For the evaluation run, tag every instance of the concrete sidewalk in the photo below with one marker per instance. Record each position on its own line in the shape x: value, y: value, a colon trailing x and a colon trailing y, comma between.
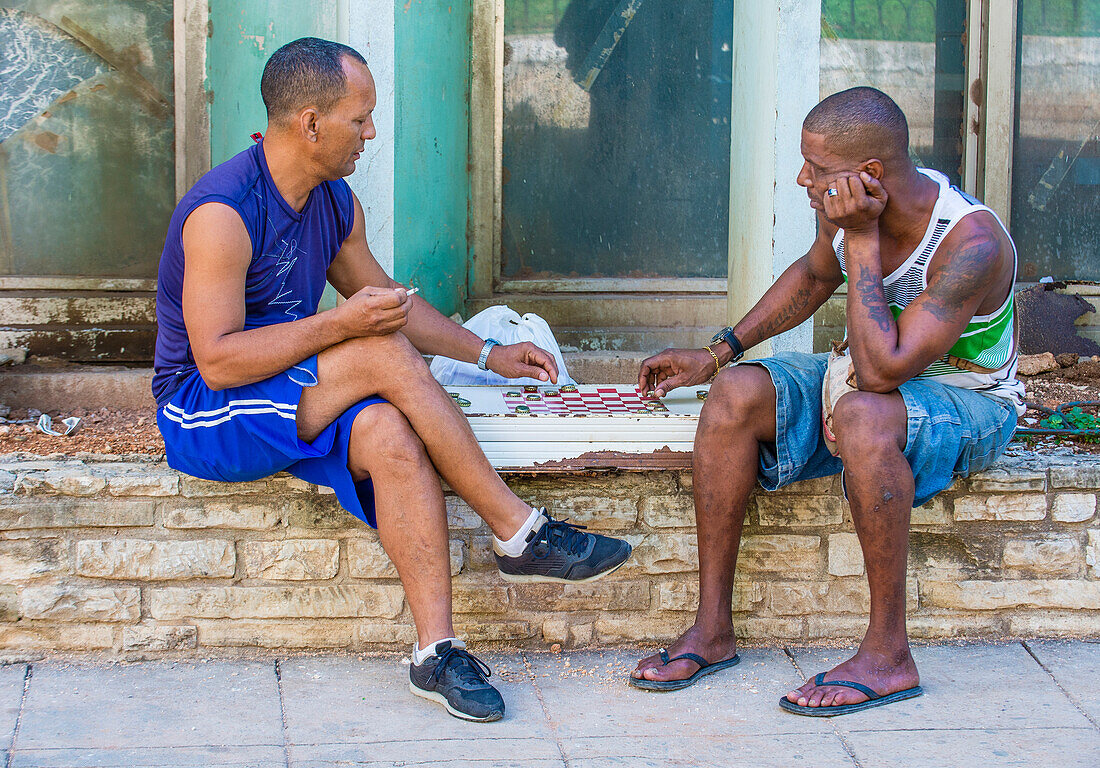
x: 988, y: 705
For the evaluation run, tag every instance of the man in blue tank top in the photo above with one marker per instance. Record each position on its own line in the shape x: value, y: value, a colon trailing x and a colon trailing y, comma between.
x: 927, y: 392
x: 251, y: 379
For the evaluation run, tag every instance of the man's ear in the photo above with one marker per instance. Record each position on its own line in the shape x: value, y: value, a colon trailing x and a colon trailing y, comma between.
x: 308, y: 120
x: 874, y: 168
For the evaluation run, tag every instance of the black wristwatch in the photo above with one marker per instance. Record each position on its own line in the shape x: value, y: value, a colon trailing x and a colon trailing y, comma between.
x: 726, y: 335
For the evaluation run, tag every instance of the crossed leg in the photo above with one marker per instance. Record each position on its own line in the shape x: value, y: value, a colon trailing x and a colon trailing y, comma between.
x: 404, y: 447
x: 390, y: 367
x: 880, y: 491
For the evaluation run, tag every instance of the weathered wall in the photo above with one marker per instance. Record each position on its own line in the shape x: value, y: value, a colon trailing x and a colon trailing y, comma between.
x: 432, y: 130
x: 130, y: 557
x: 243, y: 35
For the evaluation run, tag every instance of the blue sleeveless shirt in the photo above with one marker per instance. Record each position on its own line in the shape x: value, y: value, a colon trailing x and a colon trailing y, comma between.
x: 291, y: 254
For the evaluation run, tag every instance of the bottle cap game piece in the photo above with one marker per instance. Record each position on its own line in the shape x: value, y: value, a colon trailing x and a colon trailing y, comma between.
x: 512, y: 394
x: 523, y: 409
x: 454, y: 395
x: 462, y: 402
x: 551, y: 393
x: 701, y: 394
x: 530, y: 388
x: 569, y: 388
x: 533, y: 396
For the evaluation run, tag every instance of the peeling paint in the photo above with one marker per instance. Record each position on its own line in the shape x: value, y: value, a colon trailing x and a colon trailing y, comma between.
x: 257, y: 40
x: 243, y: 35
x: 663, y: 458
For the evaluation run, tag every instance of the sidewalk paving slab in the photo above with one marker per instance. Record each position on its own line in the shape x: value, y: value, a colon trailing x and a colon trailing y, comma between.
x: 986, y: 705
x: 265, y: 756
x: 1076, y: 667
x: 816, y: 750
x: 12, y: 677
x: 356, y: 711
x: 992, y: 748
x: 587, y: 694
x: 965, y: 687
x: 151, y: 713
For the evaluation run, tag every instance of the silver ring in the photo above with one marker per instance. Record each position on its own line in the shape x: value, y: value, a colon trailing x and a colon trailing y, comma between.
x: 832, y: 192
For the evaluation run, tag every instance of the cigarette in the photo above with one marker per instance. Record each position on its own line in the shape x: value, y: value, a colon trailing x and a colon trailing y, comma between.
x: 411, y: 291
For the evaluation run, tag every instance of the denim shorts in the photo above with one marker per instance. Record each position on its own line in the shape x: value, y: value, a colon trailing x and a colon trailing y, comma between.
x: 950, y: 432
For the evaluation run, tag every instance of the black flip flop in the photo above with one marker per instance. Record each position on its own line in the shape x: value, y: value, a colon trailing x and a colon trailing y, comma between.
x: 705, y: 668
x: 873, y: 699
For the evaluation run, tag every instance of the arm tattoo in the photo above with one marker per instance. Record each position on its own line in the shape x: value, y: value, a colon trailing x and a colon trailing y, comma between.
x: 964, y: 276
x: 792, y: 309
x: 871, y: 296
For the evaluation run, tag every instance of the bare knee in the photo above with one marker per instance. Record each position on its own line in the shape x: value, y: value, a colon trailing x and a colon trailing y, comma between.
x: 383, y: 442
x: 740, y: 397
x: 868, y: 423
x: 392, y: 353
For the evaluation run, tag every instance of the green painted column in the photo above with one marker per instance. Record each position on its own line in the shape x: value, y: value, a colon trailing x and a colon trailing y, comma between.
x: 244, y: 33
x: 431, y: 131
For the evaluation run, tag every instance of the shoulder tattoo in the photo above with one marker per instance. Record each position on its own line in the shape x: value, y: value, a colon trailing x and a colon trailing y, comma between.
x: 964, y: 275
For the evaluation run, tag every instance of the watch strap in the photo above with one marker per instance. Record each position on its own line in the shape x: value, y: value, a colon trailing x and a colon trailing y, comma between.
x: 735, y: 345
x: 483, y: 358
x: 727, y: 335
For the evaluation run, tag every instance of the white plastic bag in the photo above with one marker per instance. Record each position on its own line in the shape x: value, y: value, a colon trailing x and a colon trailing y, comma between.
x: 508, y: 327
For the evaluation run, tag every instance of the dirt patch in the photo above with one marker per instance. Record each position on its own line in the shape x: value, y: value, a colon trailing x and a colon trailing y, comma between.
x: 1075, y: 383
x: 105, y: 431
x: 1065, y: 385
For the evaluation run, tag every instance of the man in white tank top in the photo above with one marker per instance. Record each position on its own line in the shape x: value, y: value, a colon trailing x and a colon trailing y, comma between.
x: 930, y: 334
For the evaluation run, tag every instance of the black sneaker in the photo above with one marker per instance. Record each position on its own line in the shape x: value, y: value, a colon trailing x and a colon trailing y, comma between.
x: 457, y: 680
x: 562, y: 551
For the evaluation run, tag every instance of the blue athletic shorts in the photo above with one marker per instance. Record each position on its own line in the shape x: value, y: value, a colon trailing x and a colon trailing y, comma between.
x: 246, y: 433
x: 951, y: 432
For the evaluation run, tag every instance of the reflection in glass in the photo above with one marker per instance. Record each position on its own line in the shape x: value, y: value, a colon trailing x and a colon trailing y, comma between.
x: 616, y: 138
x: 1056, y: 157
x: 912, y: 50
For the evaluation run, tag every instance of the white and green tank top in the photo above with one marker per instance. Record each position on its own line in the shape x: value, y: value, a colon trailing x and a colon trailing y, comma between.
x: 984, y: 357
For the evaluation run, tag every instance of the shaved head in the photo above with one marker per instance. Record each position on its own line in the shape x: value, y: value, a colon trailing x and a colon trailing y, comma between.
x: 860, y: 124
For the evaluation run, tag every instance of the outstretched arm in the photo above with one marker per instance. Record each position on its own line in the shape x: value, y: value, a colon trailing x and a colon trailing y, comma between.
x: 430, y: 332
x: 217, y: 251
x: 971, y: 263
x: 793, y: 298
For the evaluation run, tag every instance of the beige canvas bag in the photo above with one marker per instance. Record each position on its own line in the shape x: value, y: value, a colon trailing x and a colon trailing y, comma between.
x: 840, y: 379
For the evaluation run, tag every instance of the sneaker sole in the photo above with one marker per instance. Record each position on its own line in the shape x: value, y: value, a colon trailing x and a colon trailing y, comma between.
x: 440, y: 699
x: 540, y: 579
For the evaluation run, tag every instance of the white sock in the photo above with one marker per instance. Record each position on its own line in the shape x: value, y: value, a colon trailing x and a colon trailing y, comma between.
x: 514, y: 546
x: 420, y: 656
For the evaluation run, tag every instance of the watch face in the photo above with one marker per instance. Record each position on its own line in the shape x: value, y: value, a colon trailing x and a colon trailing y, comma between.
x: 721, y: 335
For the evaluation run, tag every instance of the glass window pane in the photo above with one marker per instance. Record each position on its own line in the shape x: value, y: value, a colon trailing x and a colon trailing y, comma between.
x: 1056, y: 157
x: 912, y: 50
x: 616, y: 139
x: 86, y: 137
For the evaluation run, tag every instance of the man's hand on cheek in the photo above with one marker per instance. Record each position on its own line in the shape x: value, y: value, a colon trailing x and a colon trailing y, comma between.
x: 854, y: 202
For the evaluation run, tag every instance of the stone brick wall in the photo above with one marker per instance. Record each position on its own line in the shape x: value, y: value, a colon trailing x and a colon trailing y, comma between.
x: 131, y: 558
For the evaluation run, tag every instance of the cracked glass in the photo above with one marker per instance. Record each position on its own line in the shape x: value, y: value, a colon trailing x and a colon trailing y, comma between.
x: 86, y: 137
